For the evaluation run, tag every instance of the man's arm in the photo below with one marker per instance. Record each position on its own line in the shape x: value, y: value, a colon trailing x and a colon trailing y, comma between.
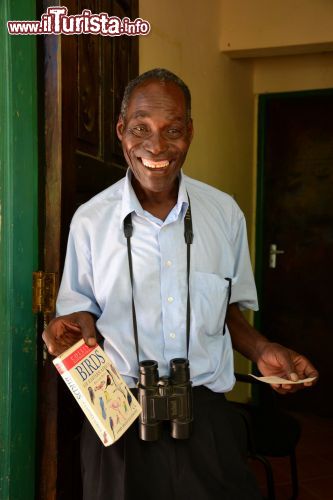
x: 77, y: 307
x: 270, y: 357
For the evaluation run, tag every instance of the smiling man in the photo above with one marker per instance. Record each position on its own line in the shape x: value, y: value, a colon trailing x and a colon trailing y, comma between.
x: 155, y: 129
x: 212, y: 268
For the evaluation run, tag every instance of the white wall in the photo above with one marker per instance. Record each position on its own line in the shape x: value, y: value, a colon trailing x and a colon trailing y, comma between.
x: 185, y: 39
x: 292, y: 73
x: 268, y: 27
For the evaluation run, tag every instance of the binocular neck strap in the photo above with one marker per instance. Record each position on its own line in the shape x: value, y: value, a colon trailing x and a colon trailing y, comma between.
x: 188, y: 235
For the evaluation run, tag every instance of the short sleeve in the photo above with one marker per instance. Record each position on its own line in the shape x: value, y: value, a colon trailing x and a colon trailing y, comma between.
x: 76, y: 291
x: 243, y: 286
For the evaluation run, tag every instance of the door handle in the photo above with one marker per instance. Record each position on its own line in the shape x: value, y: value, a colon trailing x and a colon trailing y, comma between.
x: 273, y: 252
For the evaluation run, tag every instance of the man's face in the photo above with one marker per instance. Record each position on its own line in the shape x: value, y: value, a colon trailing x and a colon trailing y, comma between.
x: 155, y: 134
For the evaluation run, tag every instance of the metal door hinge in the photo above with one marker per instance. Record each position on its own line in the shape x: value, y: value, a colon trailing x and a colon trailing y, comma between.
x: 44, y: 292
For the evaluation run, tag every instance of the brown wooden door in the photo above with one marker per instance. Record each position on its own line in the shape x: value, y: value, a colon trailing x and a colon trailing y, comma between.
x: 95, y: 71
x: 84, y: 81
x: 297, y: 216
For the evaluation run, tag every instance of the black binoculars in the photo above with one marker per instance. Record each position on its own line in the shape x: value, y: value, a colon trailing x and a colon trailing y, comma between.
x: 165, y: 398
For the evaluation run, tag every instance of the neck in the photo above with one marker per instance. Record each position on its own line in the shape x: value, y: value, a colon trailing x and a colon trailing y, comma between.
x: 158, y: 204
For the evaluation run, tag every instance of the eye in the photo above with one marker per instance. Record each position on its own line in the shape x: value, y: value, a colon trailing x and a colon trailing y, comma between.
x: 140, y: 130
x: 174, y: 132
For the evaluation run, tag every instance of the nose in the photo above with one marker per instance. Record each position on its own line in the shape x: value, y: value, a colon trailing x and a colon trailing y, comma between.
x: 155, y: 144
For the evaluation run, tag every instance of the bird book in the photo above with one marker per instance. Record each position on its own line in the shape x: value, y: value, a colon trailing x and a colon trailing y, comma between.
x: 99, y: 389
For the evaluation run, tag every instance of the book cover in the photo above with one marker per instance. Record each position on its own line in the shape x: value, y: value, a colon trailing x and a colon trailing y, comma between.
x: 99, y: 389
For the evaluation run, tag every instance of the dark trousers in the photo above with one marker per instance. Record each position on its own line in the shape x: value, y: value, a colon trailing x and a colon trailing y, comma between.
x: 211, y: 465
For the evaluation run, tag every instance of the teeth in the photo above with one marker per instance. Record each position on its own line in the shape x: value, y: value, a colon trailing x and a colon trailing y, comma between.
x: 155, y: 164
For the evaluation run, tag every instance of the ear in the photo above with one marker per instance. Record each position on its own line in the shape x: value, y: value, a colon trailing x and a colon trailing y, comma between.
x: 120, y: 128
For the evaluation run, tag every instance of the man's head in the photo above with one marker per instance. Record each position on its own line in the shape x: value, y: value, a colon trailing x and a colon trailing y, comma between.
x: 161, y: 75
x: 155, y: 128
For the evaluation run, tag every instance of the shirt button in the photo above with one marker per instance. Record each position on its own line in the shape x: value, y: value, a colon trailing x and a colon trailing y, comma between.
x: 168, y: 263
x: 170, y: 299
x: 172, y: 335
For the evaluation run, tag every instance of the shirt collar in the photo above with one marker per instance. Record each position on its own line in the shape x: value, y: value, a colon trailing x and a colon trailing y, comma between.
x: 130, y: 202
x: 182, y: 201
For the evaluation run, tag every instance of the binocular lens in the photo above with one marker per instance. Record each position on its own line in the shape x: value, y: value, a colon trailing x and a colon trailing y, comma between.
x: 148, y: 372
x: 179, y: 370
x: 148, y: 364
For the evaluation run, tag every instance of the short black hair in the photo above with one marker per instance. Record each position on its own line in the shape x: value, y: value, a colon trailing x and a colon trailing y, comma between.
x: 161, y: 75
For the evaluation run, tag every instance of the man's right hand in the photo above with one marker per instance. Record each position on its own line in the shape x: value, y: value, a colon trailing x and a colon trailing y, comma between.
x: 64, y: 331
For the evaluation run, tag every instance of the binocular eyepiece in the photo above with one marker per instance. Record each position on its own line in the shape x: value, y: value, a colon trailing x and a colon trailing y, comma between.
x: 165, y: 398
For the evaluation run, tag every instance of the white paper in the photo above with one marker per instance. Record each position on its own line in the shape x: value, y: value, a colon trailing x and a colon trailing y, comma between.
x: 279, y: 380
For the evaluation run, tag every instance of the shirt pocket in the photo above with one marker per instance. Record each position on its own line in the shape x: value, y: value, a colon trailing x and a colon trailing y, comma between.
x: 209, y: 300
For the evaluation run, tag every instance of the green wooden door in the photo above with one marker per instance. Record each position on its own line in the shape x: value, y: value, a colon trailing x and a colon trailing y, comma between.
x: 18, y: 254
x: 296, y: 212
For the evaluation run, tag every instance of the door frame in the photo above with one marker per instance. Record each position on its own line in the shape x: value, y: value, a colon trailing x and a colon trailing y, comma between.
x: 260, y: 259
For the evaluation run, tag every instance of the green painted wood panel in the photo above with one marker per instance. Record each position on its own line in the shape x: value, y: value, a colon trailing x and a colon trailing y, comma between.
x: 18, y: 254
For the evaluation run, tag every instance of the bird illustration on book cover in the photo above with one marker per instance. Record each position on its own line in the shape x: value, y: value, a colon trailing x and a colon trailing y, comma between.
x: 99, y: 389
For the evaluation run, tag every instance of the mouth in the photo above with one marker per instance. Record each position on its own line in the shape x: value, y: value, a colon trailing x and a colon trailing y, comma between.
x: 155, y: 165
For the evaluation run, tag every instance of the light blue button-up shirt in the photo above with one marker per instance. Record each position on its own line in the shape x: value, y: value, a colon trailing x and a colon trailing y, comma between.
x: 96, y: 278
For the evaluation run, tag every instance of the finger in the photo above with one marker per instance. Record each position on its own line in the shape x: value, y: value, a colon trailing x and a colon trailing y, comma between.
x: 287, y: 366
x: 284, y: 388
x: 46, y: 339
x: 58, y: 345
x: 312, y: 373
x: 284, y: 391
x: 278, y: 389
x: 293, y: 376
x: 287, y: 387
x: 306, y: 368
x: 72, y: 326
x: 49, y: 342
x: 51, y: 347
x: 313, y: 382
x: 88, y: 330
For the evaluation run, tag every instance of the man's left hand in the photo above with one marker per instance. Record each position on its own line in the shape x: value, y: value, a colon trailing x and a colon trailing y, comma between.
x: 275, y: 359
